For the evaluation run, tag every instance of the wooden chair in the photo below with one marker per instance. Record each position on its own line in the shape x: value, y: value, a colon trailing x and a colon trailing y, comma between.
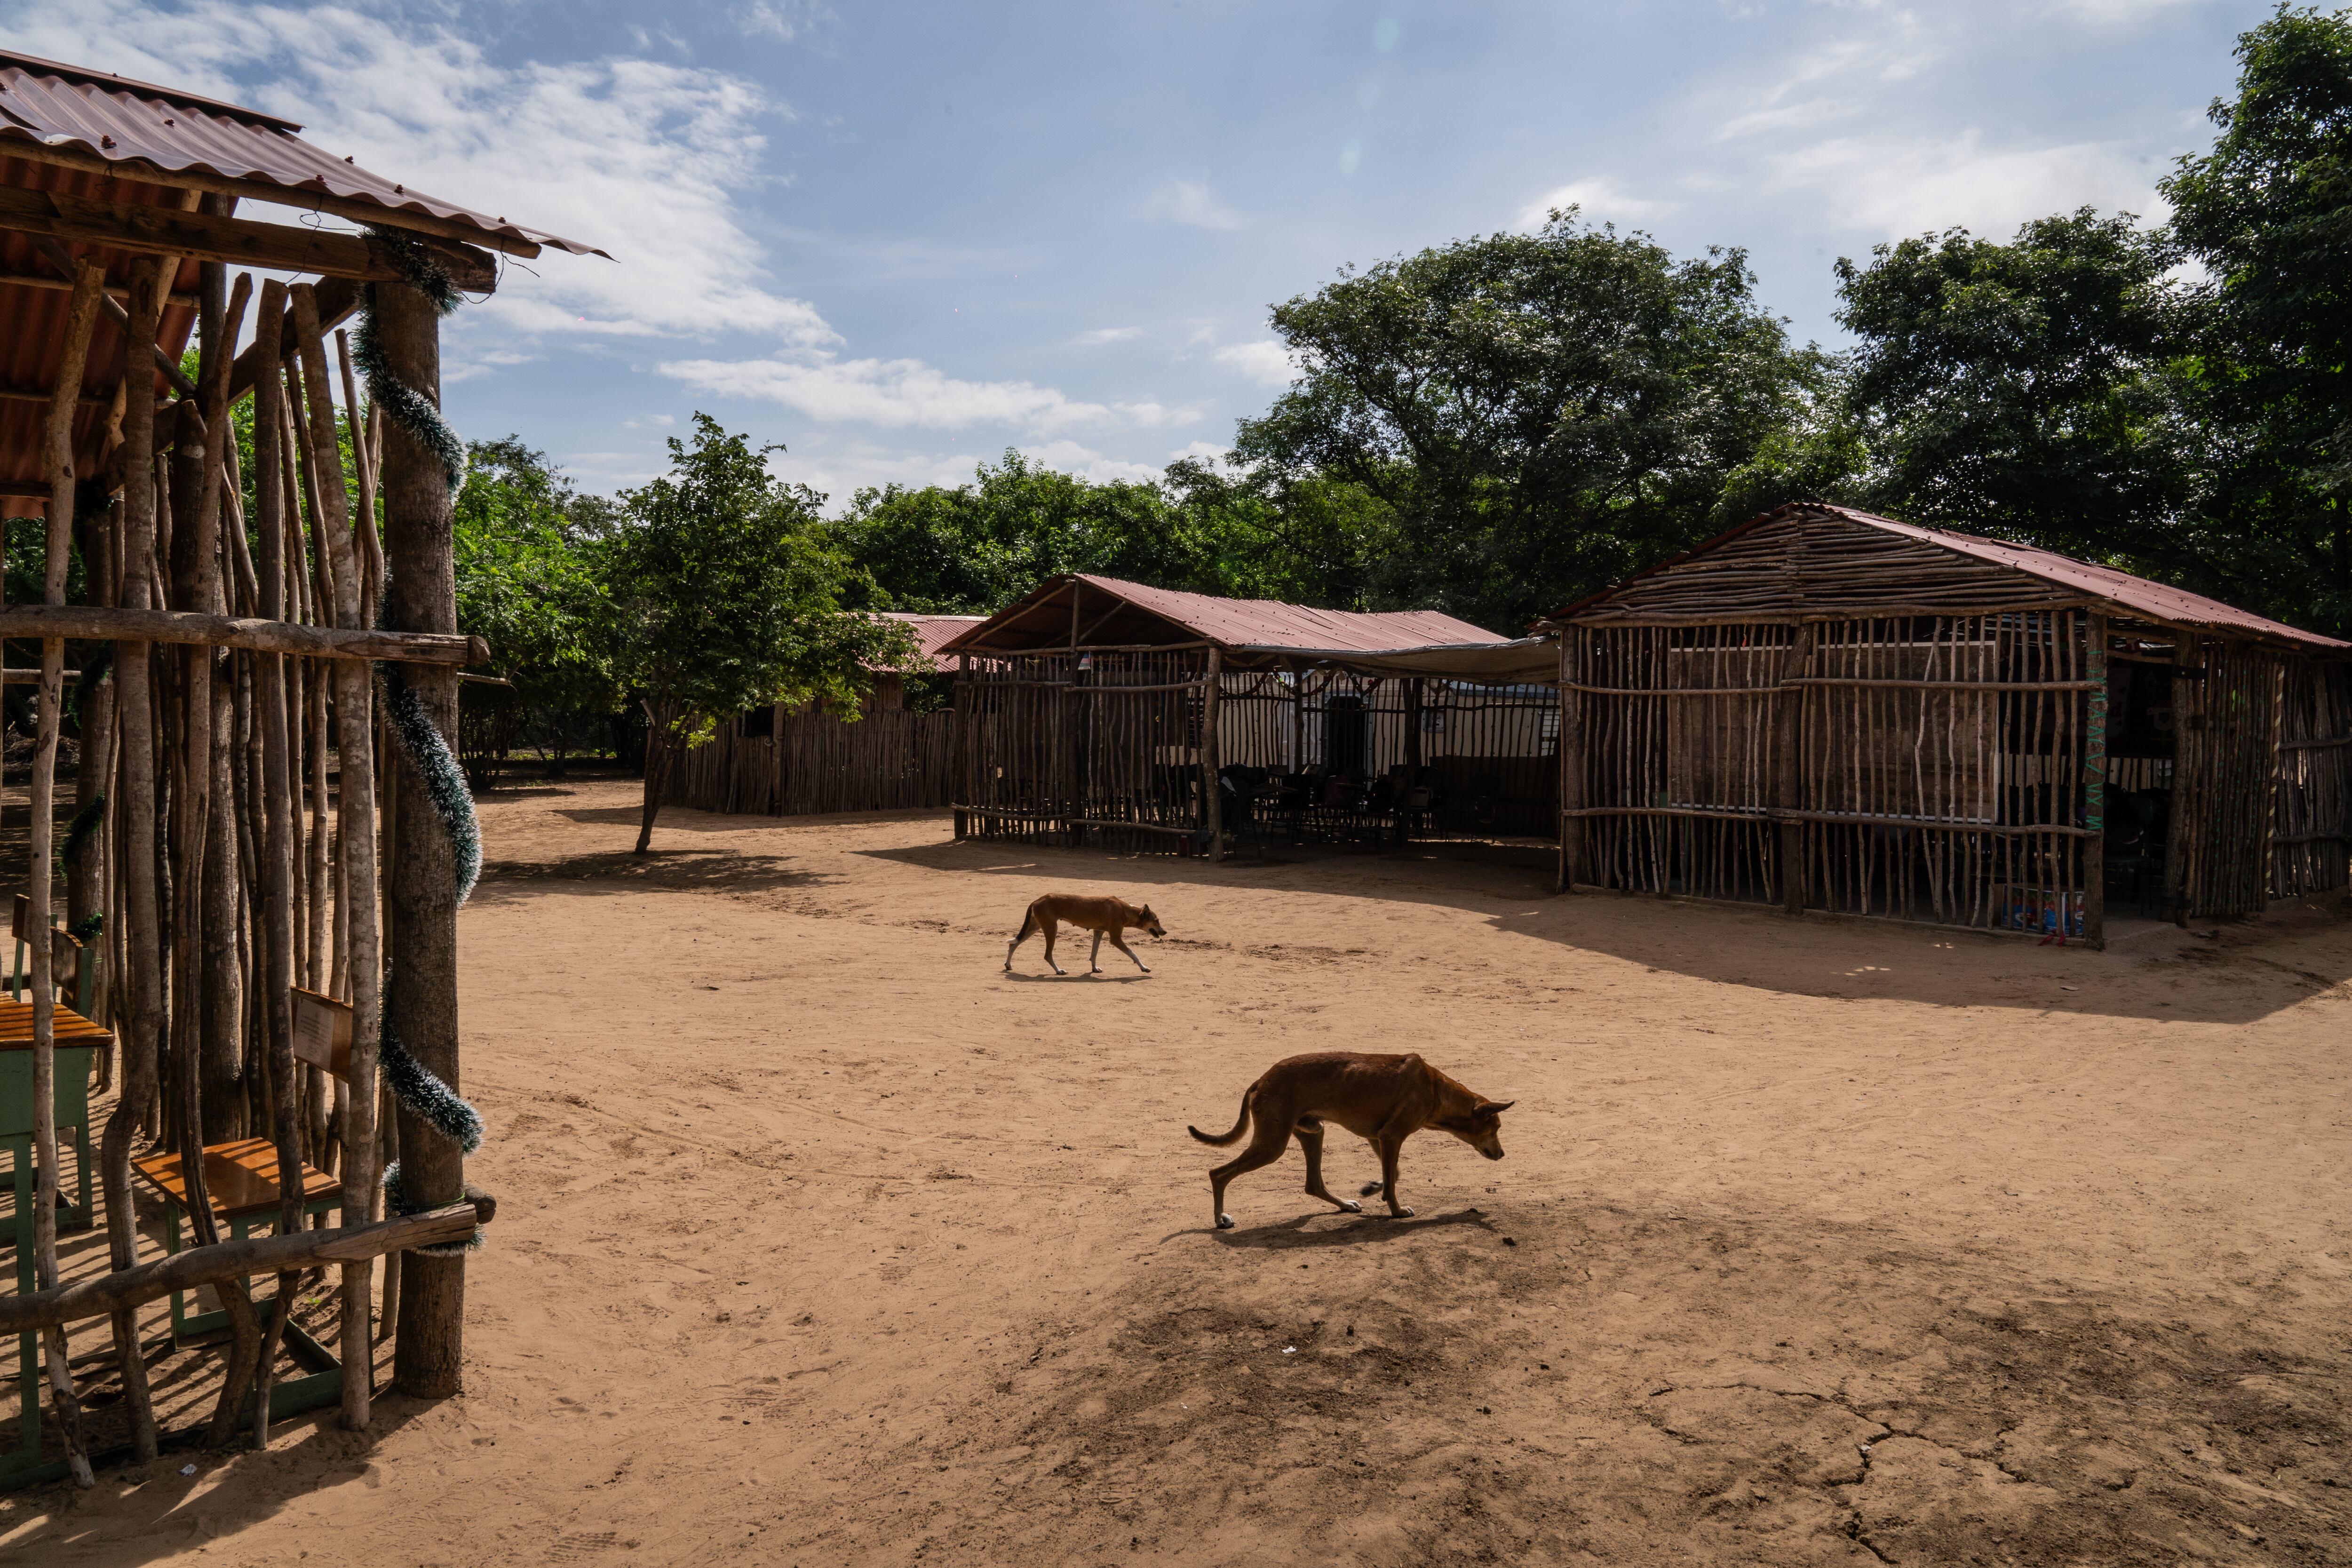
x: 241, y: 1181
x: 73, y: 968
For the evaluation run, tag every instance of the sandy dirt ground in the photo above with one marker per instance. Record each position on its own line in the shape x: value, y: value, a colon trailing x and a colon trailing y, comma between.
x: 826, y: 1242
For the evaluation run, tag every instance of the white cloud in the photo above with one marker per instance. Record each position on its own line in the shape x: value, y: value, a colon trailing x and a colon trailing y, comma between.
x: 649, y: 160
x: 1072, y: 458
x: 2123, y: 12
x: 903, y: 393
x: 1894, y: 188
x: 1267, y: 361
x: 1102, y: 335
x: 1191, y: 200
x: 783, y: 19
x: 1600, y: 200
x: 1205, y: 451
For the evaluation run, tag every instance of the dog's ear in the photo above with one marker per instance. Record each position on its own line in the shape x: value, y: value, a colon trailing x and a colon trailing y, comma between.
x: 1494, y: 1107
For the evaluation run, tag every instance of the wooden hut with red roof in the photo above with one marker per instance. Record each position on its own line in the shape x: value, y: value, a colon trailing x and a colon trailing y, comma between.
x: 1827, y: 710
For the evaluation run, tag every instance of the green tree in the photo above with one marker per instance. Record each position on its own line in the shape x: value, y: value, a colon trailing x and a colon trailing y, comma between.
x: 2268, y: 211
x: 2032, y: 389
x: 1537, y: 414
x: 527, y: 581
x: 727, y: 592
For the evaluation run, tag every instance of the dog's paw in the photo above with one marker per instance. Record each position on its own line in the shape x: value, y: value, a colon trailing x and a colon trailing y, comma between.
x: 1399, y: 1212
x: 1368, y: 1188
x: 1351, y: 1206
x: 1224, y: 1222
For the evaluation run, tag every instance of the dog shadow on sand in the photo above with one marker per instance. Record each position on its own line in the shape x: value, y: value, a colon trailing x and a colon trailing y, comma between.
x: 1307, y: 1231
x: 1111, y: 977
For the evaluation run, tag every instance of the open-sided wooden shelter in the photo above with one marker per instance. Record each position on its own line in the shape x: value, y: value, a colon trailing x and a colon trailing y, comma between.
x: 1826, y: 709
x: 212, y: 858
x: 1094, y: 710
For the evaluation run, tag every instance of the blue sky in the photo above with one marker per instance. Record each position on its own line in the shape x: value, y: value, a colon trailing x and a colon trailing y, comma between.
x: 902, y: 237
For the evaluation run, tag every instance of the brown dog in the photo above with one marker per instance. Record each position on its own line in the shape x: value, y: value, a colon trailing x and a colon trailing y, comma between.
x: 1383, y: 1100
x: 1104, y: 917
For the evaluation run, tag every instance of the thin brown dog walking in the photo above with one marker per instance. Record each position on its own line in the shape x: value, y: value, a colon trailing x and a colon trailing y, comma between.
x: 1104, y: 917
x: 1383, y: 1099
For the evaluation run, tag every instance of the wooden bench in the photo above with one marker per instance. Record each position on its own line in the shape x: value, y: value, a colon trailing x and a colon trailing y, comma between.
x: 241, y: 1182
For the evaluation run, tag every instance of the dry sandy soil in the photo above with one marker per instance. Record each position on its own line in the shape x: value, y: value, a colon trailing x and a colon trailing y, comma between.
x: 825, y: 1242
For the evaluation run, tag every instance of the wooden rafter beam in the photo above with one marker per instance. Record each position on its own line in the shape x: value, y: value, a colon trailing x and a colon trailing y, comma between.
x: 105, y: 624
x: 261, y: 190
x: 50, y: 282
x: 236, y: 241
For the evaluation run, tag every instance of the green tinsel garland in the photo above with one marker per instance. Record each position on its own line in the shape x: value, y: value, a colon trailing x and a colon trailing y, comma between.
x: 85, y: 823
x: 394, y: 1203
x: 94, y: 668
x: 408, y: 407
x: 445, y: 780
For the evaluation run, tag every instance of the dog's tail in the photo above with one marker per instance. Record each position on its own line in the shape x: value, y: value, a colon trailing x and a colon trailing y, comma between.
x: 1028, y: 924
x: 1239, y: 1126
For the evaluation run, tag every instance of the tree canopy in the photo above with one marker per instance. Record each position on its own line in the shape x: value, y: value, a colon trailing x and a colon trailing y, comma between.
x: 727, y: 594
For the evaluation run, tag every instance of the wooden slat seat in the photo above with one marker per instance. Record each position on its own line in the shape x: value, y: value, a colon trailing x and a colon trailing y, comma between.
x: 241, y: 1178
x: 72, y: 1028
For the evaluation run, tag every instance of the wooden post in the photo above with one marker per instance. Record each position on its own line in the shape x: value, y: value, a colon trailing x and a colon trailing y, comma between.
x: 139, y: 1000
x: 280, y: 802
x: 2180, y: 836
x: 2094, y: 784
x: 1213, y: 805
x: 428, y: 1361
x: 960, y: 790
x: 81, y: 315
x: 1573, y: 765
x: 1787, y: 770
x: 355, y: 820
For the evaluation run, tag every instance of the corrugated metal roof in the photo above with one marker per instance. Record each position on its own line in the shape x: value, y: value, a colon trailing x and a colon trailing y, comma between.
x: 33, y: 321
x: 119, y: 119
x: 933, y: 632
x: 2120, y: 590
x: 2154, y: 600
x: 1272, y: 624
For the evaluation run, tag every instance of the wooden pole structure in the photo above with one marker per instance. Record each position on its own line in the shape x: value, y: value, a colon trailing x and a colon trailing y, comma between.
x: 1571, y: 765
x: 1214, y: 805
x: 428, y: 1361
x: 355, y: 710
x: 2182, y: 833
x: 2094, y: 784
x: 962, y: 793
x: 278, y: 807
x: 140, y: 1006
x: 1787, y: 765
x: 81, y: 316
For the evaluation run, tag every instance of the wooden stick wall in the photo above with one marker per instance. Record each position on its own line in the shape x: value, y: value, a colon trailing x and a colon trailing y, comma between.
x: 1937, y: 771
x: 216, y: 891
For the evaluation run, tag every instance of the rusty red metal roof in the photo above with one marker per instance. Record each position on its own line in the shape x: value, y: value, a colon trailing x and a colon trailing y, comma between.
x: 33, y: 301
x: 72, y: 108
x: 1266, y: 627
x: 932, y: 633
x: 1270, y: 622
x: 2119, y: 589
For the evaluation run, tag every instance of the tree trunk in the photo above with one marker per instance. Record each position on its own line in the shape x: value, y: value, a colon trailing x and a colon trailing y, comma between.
x: 658, y: 751
x: 421, y: 997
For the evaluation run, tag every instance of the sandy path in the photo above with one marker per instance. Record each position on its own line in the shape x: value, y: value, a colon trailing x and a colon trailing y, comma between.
x: 825, y: 1242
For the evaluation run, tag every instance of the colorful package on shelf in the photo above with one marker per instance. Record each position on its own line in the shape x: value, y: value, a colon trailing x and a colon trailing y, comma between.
x: 2044, y: 910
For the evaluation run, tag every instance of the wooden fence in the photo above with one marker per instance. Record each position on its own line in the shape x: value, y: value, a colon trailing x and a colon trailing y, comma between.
x: 813, y: 763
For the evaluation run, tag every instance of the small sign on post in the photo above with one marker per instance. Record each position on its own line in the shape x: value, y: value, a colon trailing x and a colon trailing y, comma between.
x: 322, y: 1031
